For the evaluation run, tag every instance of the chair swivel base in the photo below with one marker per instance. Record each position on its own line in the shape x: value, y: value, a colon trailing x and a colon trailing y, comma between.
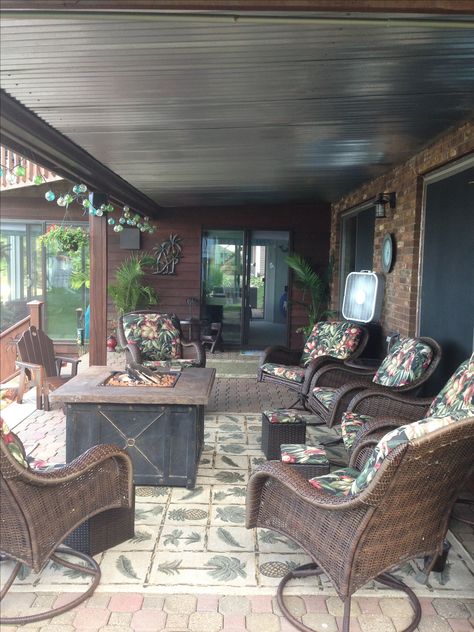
x: 310, y: 570
x: 92, y: 569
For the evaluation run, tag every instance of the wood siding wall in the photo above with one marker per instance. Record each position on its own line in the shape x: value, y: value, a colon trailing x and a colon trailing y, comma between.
x: 308, y: 226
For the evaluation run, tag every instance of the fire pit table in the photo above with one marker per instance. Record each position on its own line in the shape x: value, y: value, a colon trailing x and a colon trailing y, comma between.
x: 162, y: 428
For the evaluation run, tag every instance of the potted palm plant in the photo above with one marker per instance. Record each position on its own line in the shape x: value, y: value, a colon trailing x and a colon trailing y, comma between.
x: 315, y: 290
x: 128, y: 292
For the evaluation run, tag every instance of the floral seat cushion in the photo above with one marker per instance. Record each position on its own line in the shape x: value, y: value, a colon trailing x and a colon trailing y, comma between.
x: 324, y: 395
x: 13, y: 443
x: 158, y: 336
x: 351, y: 423
x: 337, y: 483
x: 290, y: 373
x: 457, y: 396
x: 303, y: 454
x: 284, y: 416
x: 337, y: 339
x: 407, y: 361
x: 392, y: 440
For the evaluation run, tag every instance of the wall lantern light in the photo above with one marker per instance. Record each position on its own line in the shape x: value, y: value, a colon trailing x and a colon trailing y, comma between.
x: 381, y: 202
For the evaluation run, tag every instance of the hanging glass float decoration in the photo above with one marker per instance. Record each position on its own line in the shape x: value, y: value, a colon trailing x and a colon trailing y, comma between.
x: 79, y: 194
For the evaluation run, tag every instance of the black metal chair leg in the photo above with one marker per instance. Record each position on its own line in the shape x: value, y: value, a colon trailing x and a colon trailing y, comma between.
x: 92, y: 569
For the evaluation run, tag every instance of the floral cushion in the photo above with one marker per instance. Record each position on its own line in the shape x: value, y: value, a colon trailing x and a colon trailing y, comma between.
x: 302, y: 453
x: 284, y: 416
x: 337, y: 483
x: 324, y: 395
x: 351, y: 423
x: 158, y: 336
x: 7, y: 396
x: 458, y: 393
x: 291, y: 373
x: 392, y: 440
x: 13, y: 443
x: 43, y: 466
x: 407, y: 361
x: 337, y: 339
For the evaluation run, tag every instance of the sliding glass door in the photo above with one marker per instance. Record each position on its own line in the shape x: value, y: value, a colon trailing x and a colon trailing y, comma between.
x: 222, y: 280
x: 244, y: 285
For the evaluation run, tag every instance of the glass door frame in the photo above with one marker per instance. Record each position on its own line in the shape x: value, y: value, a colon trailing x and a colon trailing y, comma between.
x: 245, y: 309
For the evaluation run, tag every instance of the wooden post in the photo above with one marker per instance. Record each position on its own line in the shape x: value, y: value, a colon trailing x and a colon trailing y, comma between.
x: 36, y: 313
x: 98, y: 284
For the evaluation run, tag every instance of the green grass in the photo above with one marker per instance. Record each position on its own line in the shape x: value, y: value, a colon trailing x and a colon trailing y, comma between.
x: 61, y: 305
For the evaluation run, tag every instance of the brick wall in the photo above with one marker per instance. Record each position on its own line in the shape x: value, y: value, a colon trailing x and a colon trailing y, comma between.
x: 399, y: 310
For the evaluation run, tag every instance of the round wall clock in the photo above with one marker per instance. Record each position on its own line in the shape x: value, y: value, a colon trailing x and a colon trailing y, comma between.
x: 387, y: 252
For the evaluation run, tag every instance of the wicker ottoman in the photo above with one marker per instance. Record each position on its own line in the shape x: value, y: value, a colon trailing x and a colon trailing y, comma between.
x: 309, y: 461
x: 281, y: 426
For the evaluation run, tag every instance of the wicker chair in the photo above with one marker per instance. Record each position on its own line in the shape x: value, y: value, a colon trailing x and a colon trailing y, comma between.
x: 39, y: 511
x: 334, y: 342
x: 409, y: 364
x: 401, y: 514
x: 373, y: 413
x: 162, y: 343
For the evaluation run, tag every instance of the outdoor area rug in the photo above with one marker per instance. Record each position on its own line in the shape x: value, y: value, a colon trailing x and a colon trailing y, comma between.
x: 194, y: 541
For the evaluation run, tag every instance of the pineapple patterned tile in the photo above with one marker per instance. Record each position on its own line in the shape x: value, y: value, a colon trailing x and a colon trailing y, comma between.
x: 228, y: 515
x: 147, y: 513
x: 200, y: 494
x: 224, y: 461
x: 272, y: 567
x: 230, y: 539
x: 186, y: 514
x: 229, y: 494
x: 125, y: 567
x: 182, y: 538
x: 272, y: 542
x: 150, y: 494
x: 204, y: 569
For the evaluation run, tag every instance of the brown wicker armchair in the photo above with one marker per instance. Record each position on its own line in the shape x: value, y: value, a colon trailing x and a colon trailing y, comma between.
x: 402, y: 514
x: 39, y: 511
x: 155, y: 339
x: 372, y: 413
x: 334, y: 386
x: 334, y: 342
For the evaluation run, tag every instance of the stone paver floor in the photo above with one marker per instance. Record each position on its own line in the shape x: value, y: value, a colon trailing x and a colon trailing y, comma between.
x: 207, y: 524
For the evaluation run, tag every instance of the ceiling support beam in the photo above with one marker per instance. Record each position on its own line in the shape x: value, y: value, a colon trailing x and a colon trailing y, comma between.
x: 26, y: 133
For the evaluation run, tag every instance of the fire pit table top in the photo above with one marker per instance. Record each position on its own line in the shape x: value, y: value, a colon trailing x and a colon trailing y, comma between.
x: 193, y: 387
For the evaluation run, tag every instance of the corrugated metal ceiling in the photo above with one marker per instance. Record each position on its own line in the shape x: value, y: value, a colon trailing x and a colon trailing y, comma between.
x: 197, y: 110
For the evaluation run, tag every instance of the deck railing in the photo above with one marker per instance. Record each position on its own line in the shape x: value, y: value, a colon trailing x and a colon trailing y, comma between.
x: 9, y: 337
x: 9, y: 159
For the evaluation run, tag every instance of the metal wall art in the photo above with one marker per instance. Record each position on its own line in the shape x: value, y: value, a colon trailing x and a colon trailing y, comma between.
x: 168, y: 255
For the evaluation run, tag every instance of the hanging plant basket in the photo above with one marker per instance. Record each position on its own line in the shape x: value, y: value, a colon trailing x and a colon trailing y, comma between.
x: 64, y: 239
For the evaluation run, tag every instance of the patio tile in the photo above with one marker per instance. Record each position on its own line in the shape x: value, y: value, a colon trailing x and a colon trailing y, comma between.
x: 234, y: 623
x: 259, y: 621
x: 434, y: 624
x: 375, y: 623
x: 86, y: 618
x: 238, y: 477
x: 200, y: 494
x: 184, y: 604
x: 126, y: 602
x: 231, y: 461
x: 203, y: 569
x: 146, y: 620
x: 124, y: 568
x: 151, y: 494
x: 205, y: 622
x: 272, y: 567
x: 144, y: 540
x: 229, y: 494
x: 272, y: 542
x: 186, y: 514
x: 182, y: 538
x: 148, y: 513
x: 230, y: 538
x: 120, y: 618
x: 324, y: 622
x: 207, y: 603
x: 176, y: 623
x: 228, y: 515
x: 296, y: 606
x: 234, y: 605
x: 460, y: 625
x: 336, y: 607
x: 451, y: 609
